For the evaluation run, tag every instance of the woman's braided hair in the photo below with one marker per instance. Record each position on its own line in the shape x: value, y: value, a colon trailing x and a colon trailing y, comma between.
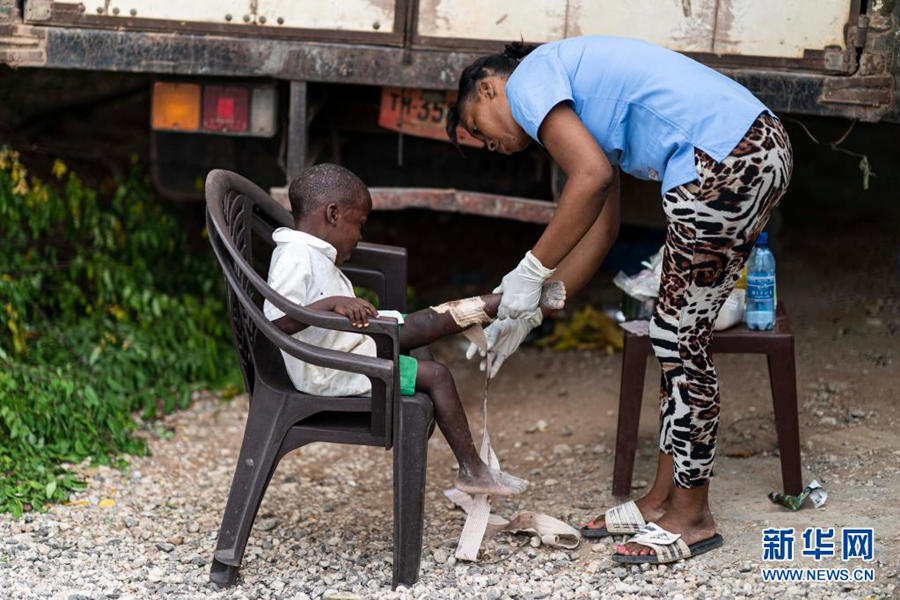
x: 503, y: 63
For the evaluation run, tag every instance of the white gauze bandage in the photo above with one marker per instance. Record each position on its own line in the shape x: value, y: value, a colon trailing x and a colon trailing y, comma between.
x: 465, y: 312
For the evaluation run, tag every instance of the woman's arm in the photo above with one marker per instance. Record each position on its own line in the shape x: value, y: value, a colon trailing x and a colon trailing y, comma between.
x: 582, y: 262
x: 590, y: 179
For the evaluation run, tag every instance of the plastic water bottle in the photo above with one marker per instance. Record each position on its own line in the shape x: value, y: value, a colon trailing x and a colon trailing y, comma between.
x: 760, y: 313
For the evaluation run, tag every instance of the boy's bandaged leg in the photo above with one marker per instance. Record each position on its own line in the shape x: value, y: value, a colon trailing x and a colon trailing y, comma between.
x: 472, y: 311
x: 465, y: 312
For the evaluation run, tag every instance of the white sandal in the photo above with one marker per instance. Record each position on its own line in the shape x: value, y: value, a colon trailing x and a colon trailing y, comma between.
x: 624, y: 519
x: 669, y: 546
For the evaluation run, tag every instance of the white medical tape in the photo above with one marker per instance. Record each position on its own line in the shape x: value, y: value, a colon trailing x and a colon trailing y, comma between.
x: 465, y: 312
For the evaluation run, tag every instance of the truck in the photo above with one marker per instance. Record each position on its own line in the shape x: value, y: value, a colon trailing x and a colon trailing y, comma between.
x: 268, y: 87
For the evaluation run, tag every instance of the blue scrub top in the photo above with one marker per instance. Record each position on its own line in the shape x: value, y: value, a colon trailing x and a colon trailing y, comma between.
x: 647, y: 107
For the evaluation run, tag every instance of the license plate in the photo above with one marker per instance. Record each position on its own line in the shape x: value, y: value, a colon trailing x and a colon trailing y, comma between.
x: 422, y: 113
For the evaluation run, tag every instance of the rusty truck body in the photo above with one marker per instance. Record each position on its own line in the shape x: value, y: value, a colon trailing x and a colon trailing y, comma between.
x: 805, y: 57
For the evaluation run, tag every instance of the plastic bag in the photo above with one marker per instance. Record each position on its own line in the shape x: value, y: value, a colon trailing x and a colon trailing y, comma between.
x: 732, y: 312
x: 644, y: 285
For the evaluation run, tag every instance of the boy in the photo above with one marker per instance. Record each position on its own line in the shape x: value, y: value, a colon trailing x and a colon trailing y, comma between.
x: 330, y: 206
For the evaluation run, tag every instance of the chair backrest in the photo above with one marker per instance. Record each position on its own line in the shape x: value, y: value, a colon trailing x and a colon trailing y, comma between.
x: 240, y: 221
x: 239, y: 200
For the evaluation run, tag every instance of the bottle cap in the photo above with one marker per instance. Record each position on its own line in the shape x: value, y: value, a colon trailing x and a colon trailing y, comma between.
x: 762, y: 239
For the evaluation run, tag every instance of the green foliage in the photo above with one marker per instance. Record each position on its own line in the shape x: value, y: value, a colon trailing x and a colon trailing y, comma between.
x: 106, y: 311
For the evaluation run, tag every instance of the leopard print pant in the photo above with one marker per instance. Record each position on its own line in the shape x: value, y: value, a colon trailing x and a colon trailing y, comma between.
x: 712, y: 224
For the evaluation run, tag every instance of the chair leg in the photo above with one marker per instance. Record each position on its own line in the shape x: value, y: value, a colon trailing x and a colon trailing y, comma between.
x: 256, y: 463
x: 783, y: 376
x: 631, y: 392
x: 410, y: 459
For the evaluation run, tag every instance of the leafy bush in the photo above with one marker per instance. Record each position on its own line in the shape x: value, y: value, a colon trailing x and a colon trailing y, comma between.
x: 105, y: 311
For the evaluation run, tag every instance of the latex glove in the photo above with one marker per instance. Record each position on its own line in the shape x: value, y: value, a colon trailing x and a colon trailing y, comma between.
x: 521, y: 288
x: 504, y: 338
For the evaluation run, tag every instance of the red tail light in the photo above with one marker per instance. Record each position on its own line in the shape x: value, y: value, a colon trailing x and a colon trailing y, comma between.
x: 226, y: 109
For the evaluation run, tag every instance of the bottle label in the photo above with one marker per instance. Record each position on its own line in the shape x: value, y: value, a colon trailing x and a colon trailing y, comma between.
x: 760, y: 287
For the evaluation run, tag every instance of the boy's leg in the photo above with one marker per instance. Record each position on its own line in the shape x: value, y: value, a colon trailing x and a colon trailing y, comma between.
x: 425, y: 326
x: 475, y: 477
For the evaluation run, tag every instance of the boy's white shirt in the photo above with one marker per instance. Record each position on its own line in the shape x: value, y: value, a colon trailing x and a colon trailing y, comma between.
x: 302, y: 270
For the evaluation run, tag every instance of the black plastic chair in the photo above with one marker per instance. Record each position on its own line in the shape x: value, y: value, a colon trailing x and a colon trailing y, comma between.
x: 240, y: 220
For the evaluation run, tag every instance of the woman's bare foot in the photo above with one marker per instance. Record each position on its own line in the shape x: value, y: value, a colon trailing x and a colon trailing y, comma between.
x: 490, y: 481
x: 688, y: 514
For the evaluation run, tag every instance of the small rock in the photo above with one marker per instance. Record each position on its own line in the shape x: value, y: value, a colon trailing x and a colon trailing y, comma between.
x: 857, y: 413
x: 567, y: 430
x: 540, y: 426
x: 165, y: 546
x: 440, y: 556
x: 535, y: 542
x: 176, y: 540
x: 193, y: 527
x: 639, y: 483
x: 620, y: 572
x: 266, y: 524
x: 562, y: 449
x: 828, y: 421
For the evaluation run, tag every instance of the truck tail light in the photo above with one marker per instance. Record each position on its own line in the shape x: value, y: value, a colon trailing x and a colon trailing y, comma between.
x: 262, y: 111
x: 226, y: 109
x: 176, y: 106
x: 241, y: 109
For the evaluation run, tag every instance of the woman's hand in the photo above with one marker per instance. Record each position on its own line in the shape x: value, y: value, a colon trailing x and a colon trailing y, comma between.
x: 355, y: 309
x: 504, y: 338
x: 521, y: 288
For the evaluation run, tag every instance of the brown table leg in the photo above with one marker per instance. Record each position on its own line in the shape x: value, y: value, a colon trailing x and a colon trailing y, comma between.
x: 634, y: 365
x: 784, y: 398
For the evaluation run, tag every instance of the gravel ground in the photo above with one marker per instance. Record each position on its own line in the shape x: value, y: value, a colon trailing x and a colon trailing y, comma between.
x: 324, y: 530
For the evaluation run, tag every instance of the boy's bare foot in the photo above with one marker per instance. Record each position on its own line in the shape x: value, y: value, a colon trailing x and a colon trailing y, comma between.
x: 490, y: 481
x: 553, y: 295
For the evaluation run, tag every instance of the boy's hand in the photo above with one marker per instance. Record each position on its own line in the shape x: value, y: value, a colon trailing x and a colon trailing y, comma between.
x: 355, y: 309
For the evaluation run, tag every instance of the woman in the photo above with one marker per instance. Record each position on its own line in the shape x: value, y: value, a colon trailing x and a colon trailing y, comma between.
x: 599, y: 104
